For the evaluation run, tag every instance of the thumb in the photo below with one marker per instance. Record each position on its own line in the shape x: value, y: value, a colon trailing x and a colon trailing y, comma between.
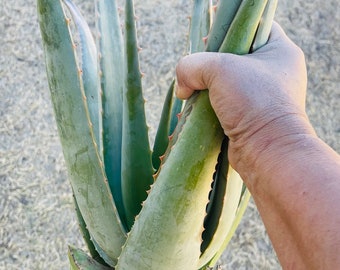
x: 196, y: 72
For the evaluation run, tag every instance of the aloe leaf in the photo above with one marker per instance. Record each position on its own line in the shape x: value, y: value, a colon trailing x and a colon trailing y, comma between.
x: 174, y: 136
x: 77, y: 137
x: 86, y: 235
x: 137, y: 167
x: 89, y: 70
x: 167, y: 232
x: 199, y: 26
x: 225, y: 14
x: 226, y: 218
x: 243, y: 28
x: 265, y: 25
x: 79, y: 260
x: 239, y: 214
x: 216, y: 196
x: 112, y: 69
x: 162, y: 135
x: 175, y: 113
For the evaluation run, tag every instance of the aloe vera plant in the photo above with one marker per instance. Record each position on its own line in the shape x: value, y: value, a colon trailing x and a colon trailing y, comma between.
x: 177, y: 206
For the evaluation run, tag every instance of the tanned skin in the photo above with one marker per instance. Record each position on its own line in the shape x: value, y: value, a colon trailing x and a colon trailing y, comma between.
x: 293, y: 176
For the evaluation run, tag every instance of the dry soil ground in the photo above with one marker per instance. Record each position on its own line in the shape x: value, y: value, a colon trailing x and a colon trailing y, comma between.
x: 37, y: 221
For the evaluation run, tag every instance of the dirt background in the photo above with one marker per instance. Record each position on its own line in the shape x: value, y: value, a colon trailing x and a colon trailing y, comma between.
x: 37, y: 221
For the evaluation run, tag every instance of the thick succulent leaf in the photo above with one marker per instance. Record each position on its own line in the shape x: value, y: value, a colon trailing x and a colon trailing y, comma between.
x: 239, y: 214
x: 137, y: 167
x: 172, y: 108
x: 86, y: 235
x: 77, y: 137
x: 216, y: 196
x: 199, y: 25
x: 199, y: 28
x: 225, y: 14
x: 175, y: 112
x: 265, y: 25
x: 89, y: 70
x: 226, y: 218
x: 162, y: 135
x: 112, y: 80
x: 167, y: 232
x: 79, y: 260
x: 242, y: 30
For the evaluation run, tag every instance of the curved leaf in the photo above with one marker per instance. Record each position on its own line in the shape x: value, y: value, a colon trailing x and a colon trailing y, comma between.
x: 89, y: 70
x: 167, y: 232
x: 265, y: 25
x: 112, y: 80
x: 77, y: 137
x: 79, y: 260
x: 230, y: 203
x: 86, y: 235
x: 162, y: 135
x: 199, y: 26
x: 242, y: 30
x: 137, y: 167
x: 239, y: 214
x: 225, y: 14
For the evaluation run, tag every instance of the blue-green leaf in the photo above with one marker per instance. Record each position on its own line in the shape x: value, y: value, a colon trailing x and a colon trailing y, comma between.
x: 86, y: 235
x: 225, y: 14
x: 112, y: 80
x: 137, y: 167
x: 199, y: 26
x: 81, y: 154
x: 162, y: 135
x: 89, y: 70
x: 265, y: 25
x: 79, y: 260
x: 167, y: 232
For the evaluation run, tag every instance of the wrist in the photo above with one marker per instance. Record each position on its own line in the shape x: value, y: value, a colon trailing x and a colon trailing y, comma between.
x: 268, y: 143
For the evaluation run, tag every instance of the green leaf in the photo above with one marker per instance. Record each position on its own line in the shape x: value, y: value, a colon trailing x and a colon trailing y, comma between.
x: 112, y: 69
x: 137, y: 167
x: 77, y: 137
x: 162, y: 135
x: 89, y: 70
x: 216, y: 196
x: 175, y: 113
x: 86, y: 235
x: 265, y: 25
x: 79, y: 260
x: 239, y: 214
x: 242, y: 30
x: 224, y: 218
x: 199, y: 26
x: 167, y: 232
x: 225, y: 14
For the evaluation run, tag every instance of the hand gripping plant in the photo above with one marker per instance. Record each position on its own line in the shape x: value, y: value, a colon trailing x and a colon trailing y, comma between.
x: 175, y: 207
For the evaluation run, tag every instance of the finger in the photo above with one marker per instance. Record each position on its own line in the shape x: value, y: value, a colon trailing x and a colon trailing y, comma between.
x: 194, y: 72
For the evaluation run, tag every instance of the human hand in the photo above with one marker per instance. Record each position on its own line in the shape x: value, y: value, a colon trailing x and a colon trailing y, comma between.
x: 292, y: 175
x: 258, y: 98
